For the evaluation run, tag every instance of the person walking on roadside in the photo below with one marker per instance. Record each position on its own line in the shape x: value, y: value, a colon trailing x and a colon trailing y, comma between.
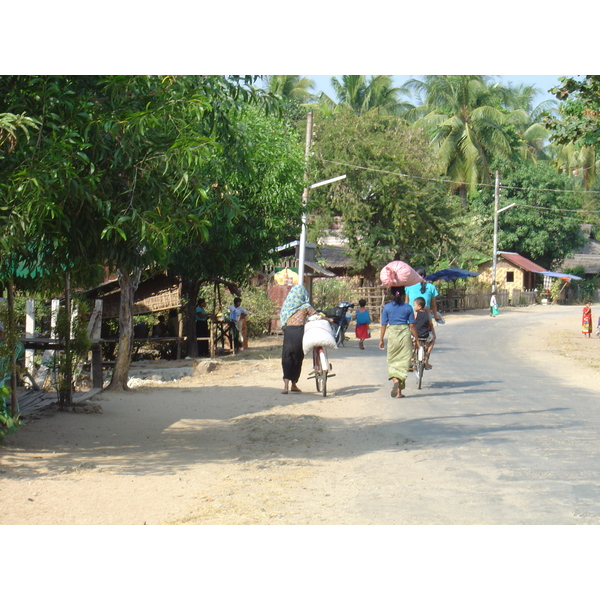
x: 399, y: 319
x: 363, y: 320
x: 586, y: 319
x: 494, y: 306
x: 239, y: 317
x: 294, y: 312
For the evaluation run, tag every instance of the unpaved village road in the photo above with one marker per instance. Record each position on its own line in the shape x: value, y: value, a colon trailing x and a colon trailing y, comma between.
x: 504, y: 431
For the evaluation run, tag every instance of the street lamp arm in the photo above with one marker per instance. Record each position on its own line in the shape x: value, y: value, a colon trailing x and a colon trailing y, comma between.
x: 320, y: 183
x: 506, y: 207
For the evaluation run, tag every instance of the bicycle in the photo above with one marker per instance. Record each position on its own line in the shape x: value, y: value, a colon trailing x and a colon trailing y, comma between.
x: 419, y: 359
x: 321, y: 369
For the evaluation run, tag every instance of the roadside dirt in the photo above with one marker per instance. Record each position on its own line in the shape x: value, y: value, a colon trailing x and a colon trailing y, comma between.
x: 223, y: 446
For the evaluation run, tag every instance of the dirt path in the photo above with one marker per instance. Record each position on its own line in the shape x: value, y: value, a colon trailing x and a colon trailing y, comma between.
x: 226, y: 447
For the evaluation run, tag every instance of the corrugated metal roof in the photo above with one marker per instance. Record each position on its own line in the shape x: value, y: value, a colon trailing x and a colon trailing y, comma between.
x: 318, y: 268
x: 521, y: 262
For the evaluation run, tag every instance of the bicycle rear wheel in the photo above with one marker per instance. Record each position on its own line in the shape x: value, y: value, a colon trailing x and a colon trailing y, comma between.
x: 420, y: 365
x: 324, y: 369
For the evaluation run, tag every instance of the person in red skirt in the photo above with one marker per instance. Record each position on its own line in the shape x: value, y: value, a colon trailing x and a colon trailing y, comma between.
x: 586, y: 319
x: 363, y: 320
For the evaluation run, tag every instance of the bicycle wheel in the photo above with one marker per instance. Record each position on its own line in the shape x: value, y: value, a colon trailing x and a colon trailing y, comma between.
x: 319, y: 381
x: 317, y: 367
x: 420, y: 365
x: 324, y: 364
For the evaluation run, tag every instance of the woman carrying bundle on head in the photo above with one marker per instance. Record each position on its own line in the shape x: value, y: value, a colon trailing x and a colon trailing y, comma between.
x: 398, y: 318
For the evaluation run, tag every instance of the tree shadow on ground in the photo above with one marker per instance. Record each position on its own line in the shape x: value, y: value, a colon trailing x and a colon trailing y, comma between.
x: 202, y: 426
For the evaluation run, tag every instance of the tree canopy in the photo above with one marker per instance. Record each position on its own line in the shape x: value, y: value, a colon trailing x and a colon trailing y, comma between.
x: 392, y: 205
x: 545, y: 224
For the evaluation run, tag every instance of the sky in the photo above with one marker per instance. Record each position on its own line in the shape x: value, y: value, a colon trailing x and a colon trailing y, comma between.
x: 543, y: 82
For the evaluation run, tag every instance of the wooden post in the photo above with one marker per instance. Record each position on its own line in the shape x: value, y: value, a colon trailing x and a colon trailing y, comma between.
x: 29, y: 331
x: 10, y: 337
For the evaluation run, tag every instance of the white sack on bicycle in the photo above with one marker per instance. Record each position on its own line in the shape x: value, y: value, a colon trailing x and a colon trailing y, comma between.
x: 317, y: 332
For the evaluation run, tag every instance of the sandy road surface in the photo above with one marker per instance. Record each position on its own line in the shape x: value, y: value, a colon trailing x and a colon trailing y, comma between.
x: 227, y: 447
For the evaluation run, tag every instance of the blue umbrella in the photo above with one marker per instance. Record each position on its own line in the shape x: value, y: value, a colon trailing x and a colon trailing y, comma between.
x: 450, y: 275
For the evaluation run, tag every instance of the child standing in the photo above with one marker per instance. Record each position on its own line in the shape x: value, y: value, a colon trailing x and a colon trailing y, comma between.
x: 586, y: 319
x: 363, y: 320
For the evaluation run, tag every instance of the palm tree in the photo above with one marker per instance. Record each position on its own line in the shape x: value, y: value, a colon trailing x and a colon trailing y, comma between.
x: 292, y: 87
x: 463, y: 115
x: 528, y: 119
x: 362, y: 94
x: 577, y: 161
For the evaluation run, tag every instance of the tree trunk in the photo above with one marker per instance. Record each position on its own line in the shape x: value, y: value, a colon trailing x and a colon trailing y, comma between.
x: 462, y: 192
x: 190, y: 290
x: 128, y: 284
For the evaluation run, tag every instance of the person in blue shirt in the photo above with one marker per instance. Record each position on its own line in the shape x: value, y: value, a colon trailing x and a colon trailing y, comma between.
x: 398, y: 319
x: 425, y: 290
x: 363, y: 320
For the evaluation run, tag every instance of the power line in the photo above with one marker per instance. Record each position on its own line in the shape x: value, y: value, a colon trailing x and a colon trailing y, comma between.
x: 441, y: 180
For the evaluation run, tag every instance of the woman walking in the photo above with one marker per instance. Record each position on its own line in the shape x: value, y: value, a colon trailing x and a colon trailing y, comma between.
x: 398, y: 317
x: 586, y: 319
x: 294, y: 312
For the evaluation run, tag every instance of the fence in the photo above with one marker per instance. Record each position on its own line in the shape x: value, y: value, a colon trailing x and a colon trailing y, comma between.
x: 451, y: 300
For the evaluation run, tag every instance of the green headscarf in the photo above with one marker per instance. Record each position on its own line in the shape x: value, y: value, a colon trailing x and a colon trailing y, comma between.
x: 296, y: 300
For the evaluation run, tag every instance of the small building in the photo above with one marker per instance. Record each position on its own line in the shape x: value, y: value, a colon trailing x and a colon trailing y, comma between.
x: 513, y: 272
x: 588, y: 256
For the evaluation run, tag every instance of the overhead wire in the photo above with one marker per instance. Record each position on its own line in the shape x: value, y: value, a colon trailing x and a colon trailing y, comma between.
x: 506, y: 187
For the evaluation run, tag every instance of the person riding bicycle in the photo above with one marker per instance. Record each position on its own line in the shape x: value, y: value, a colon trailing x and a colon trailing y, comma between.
x: 424, y: 326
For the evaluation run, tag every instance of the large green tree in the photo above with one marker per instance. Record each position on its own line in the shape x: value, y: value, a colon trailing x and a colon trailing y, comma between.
x: 159, y: 134
x: 392, y: 204
x: 545, y: 224
x: 576, y: 129
x: 253, y: 206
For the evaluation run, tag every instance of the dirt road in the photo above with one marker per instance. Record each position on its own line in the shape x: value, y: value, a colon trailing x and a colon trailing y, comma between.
x: 226, y: 447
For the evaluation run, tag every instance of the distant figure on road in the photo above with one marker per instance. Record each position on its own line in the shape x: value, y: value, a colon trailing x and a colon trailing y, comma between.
x: 586, y: 319
x: 398, y: 317
x: 363, y: 320
x: 494, y: 306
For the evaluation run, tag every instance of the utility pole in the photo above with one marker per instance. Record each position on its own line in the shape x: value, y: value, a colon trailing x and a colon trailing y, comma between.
x: 495, y: 250
x: 302, y: 251
x: 496, y: 213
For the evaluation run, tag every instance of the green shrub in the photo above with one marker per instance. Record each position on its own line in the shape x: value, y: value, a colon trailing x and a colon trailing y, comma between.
x: 8, y: 422
x: 260, y: 308
x: 329, y: 292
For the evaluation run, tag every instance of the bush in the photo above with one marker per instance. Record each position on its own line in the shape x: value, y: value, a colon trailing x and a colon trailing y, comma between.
x: 259, y: 306
x: 329, y: 292
x: 8, y: 422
